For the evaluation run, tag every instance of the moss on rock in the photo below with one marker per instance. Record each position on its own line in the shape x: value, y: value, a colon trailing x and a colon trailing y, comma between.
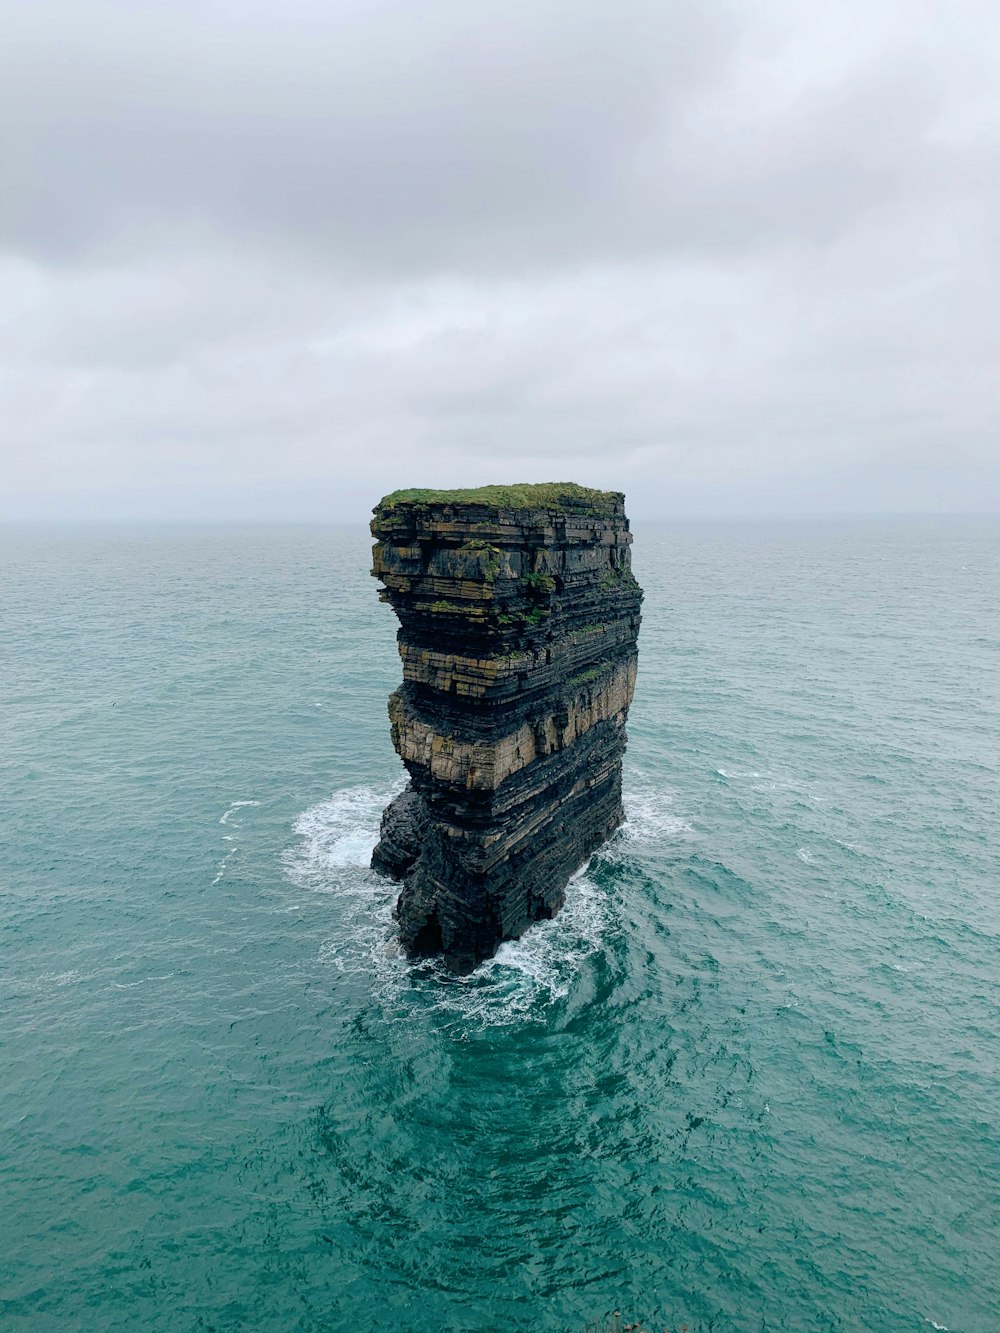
x: 566, y: 495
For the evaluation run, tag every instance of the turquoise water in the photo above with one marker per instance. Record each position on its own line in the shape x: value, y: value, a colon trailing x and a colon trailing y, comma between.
x: 748, y: 1080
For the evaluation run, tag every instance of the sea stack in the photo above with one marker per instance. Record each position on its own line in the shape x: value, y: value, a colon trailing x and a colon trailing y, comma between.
x: 519, y: 616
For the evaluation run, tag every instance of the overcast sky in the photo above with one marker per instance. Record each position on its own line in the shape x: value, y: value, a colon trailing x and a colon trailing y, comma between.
x: 271, y: 260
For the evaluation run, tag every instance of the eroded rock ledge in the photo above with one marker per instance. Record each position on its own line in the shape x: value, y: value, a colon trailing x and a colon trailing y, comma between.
x: 519, y: 616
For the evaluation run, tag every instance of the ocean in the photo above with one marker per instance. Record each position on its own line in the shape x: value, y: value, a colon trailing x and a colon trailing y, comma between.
x: 747, y: 1080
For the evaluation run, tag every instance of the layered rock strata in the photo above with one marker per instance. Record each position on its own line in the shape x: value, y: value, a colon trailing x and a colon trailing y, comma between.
x: 519, y: 616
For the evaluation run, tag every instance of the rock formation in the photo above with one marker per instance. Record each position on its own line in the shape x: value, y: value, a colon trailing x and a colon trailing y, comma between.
x: 518, y: 617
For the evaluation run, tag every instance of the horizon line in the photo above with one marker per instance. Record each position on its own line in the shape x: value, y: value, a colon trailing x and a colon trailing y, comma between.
x: 38, y: 521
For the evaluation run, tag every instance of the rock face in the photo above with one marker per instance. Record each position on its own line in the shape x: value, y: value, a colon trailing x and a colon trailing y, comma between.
x: 519, y: 616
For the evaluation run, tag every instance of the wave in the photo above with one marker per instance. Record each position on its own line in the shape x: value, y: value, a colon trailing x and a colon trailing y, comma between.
x: 336, y: 838
x: 341, y: 831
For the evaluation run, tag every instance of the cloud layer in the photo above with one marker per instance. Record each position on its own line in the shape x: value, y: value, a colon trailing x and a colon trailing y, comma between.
x: 270, y: 261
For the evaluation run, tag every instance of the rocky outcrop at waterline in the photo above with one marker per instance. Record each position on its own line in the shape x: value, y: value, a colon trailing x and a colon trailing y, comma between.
x: 519, y: 615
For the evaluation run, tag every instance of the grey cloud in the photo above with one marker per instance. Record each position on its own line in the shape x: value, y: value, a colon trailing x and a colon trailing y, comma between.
x: 442, y: 136
x: 313, y: 251
x: 382, y: 132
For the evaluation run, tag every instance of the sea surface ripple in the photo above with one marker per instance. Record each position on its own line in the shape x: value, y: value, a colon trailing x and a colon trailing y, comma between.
x: 747, y: 1080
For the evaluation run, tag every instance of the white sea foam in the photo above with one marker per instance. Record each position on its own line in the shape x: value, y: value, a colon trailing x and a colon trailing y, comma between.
x: 649, y: 812
x: 336, y: 839
x: 764, y: 782
x: 236, y: 805
x: 143, y: 981
x: 335, y: 842
x: 230, y: 837
x: 339, y: 832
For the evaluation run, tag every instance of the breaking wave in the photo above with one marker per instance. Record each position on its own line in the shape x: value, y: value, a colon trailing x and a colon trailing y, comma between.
x: 335, y: 841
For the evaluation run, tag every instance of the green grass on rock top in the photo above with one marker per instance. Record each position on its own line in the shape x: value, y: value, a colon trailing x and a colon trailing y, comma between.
x: 540, y: 495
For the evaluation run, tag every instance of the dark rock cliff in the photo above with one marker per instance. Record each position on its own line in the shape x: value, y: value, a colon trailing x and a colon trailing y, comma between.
x: 518, y: 617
